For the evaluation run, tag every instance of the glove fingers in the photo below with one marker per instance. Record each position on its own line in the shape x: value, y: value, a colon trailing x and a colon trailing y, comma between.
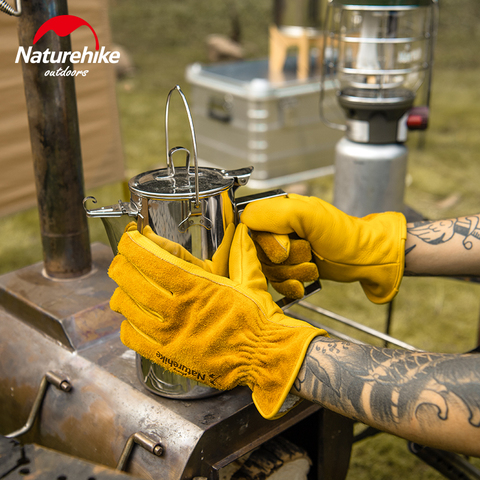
x: 159, y: 323
x: 304, y: 272
x: 157, y: 266
x: 290, y: 288
x: 133, y: 284
x: 131, y: 338
x: 147, y: 321
x: 264, y: 260
x: 276, y: 247
x: 300, y: 252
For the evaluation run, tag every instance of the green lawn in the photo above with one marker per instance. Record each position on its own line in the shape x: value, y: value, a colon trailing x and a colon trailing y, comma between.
x: 163, y: 37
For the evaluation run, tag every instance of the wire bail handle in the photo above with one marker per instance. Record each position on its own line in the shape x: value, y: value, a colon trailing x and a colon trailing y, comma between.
x: 170, y: 152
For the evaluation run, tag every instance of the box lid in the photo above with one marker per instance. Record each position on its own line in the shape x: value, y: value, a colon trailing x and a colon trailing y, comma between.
x: 249, y: 79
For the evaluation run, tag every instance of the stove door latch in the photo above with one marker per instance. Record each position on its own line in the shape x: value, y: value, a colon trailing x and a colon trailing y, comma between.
x: 139, y: 438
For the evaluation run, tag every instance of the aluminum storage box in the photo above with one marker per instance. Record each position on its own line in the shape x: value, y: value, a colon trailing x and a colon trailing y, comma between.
x: 242, y: 119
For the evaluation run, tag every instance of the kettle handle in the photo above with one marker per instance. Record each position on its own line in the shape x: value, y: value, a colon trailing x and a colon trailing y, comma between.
x: 170, y: 167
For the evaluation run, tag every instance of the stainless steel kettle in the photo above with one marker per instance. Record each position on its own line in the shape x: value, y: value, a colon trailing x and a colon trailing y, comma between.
x: 189, y: 205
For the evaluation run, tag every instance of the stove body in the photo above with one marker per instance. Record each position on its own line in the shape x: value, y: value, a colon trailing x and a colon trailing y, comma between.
x: 67, y: 327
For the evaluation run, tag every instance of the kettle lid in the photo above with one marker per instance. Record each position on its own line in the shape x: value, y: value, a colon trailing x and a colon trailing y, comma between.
x: 160, y: 184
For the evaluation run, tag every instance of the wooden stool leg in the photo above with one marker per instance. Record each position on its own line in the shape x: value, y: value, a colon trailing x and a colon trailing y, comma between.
x: 302, y: 59
x: 319, y: 61
x: 278, y: 55
x: 279, y: 44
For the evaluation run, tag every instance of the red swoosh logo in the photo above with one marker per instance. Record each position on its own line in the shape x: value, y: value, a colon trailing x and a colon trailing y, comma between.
x: 63, y: 25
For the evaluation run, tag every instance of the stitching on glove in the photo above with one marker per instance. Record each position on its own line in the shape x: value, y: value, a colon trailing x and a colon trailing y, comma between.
x: 152, y: 282
x: 279, y: 243
x: 143, y: 334
x: 332, y: 262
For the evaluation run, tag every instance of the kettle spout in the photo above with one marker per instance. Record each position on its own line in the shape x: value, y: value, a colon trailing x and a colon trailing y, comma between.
x: 115, y: 219
x: 240, y: 175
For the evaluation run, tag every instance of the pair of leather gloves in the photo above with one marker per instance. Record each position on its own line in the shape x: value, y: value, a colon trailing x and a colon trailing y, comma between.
x: 191, y: 318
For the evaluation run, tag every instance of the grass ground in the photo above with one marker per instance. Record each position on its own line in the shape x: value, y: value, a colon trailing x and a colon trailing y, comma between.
x: 164, y: 36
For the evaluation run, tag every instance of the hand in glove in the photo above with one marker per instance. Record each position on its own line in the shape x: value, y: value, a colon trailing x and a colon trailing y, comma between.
x: 370, y: 250
x: 221, y: 331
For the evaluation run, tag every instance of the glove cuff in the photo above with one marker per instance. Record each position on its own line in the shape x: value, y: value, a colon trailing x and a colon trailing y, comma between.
x: 384, y: 279
x: 283, y: 356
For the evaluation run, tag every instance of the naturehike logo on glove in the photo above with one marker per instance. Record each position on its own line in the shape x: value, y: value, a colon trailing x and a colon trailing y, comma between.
x: 64, y: 25
x: 182, y: 369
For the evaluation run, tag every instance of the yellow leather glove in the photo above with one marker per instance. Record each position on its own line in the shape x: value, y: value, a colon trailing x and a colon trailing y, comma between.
x: 370, y: 250
x: 221, y: 331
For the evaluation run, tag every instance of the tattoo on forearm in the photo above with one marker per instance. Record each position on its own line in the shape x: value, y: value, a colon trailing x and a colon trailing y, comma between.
x: 389, y: 386
x: 442, y: 231
x: 408, y: 250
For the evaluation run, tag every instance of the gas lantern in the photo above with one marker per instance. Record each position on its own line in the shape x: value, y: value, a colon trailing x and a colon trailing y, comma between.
x: 379, y: 54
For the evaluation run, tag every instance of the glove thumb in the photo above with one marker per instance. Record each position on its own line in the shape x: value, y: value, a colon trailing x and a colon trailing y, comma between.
x: 245, y: 268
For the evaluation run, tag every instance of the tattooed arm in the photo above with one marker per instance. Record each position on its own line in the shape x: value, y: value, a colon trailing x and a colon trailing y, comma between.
x: 444, y: 247
x: 432, y: 399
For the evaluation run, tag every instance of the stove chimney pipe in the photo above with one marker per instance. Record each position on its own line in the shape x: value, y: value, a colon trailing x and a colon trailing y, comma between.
x: 55, y: 141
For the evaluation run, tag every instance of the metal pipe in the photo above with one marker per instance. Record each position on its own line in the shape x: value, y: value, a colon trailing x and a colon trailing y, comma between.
x: 357, y: 326
x: 55, y: 141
